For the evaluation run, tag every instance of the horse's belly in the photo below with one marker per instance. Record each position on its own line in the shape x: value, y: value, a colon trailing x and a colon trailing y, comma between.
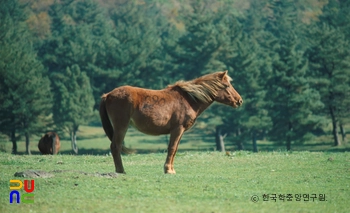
x: 152, y: 125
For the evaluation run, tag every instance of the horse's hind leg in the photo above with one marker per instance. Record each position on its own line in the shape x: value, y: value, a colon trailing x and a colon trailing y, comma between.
x: 116, y: 148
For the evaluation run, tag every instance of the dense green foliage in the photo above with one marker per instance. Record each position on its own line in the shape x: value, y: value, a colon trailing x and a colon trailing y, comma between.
x: 289, y: 61
x: 25, y: 96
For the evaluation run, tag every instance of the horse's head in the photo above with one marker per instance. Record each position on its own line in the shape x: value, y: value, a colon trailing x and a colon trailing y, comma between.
x: 228, y: 95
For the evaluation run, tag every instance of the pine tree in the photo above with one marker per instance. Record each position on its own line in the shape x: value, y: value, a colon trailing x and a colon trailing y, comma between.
x: 196, y: 52
x: 329, y: 54
x: 247, y: 64
x: 80, y: 35
x: 135, y: 58
x: 292, y: 101
x: 252, y: 119
x: 73, y: 101
x: 26, y: 100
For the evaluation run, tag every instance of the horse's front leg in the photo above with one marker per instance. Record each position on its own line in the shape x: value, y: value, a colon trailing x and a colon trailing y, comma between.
x: 116, y: 149
x: 175, y: 137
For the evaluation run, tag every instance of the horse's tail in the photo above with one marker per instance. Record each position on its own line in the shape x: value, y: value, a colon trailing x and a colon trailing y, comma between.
x: 106, y: 123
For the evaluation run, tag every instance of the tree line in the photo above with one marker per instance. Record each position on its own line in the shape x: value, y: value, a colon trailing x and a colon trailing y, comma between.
x: 289, y: 60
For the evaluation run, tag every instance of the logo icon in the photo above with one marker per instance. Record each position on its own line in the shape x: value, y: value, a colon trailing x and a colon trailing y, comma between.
x: 26, y: 197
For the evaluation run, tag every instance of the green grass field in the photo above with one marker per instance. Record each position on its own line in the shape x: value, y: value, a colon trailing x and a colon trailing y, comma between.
x: 206, y: 181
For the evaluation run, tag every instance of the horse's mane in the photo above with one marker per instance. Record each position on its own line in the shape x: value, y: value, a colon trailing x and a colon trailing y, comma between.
x: 204, y: 88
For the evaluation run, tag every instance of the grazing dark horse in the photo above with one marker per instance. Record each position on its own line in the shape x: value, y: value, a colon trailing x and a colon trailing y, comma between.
x: 49, y: 144
x: 172, y: 110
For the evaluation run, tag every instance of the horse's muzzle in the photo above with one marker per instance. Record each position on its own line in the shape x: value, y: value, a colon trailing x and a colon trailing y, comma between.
x: 239, y: 103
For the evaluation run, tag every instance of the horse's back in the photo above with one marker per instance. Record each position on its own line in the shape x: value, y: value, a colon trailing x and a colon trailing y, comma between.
x: 121, y: 99
x: 136, y: 96
x: 124, y: 92
x: 149, y: 111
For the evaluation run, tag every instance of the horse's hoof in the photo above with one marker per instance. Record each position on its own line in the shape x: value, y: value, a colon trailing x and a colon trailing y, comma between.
x: 172, y: 172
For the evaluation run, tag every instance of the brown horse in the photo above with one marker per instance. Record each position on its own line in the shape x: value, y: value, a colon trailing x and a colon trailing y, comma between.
x: 172, y: 110
x: 49, y: 144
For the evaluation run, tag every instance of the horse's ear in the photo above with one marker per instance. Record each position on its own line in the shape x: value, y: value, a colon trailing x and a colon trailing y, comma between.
x: 223, y: 74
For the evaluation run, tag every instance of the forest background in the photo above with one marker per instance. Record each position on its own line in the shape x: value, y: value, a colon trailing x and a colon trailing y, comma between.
x: 289, y: 60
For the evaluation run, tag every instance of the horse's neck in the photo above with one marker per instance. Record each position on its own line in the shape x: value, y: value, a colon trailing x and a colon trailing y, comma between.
x: 202, y: 107
x: 197, y: 106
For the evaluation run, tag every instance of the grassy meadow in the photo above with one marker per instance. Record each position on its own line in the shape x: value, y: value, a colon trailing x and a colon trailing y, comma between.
x: 206, y: 181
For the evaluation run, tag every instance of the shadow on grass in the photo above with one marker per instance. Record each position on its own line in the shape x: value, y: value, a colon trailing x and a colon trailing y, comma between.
x: 81, y: 151
x: 316, y: 147
x: 97, y: 152
x: 185, y: 139
x: 335, y: 150
x: 263, y: 148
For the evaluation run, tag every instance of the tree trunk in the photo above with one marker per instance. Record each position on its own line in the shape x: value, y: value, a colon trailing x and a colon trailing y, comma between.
x: 289, y: 144
x: 343, y: 133
x: 289, y: 141
x: 335, y: 128
x: 27, y: 144
x: 14, y: 142
x: 263, y: 135
x: 255, y: 145
x: 74, y: 141
x: 219, y: 138
x: 240, y: 145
